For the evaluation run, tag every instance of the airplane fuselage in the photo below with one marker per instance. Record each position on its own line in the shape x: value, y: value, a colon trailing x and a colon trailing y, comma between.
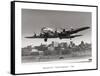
x: 50, y: 33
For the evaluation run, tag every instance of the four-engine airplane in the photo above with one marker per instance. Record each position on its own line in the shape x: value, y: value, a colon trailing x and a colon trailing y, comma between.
x: 47, y: 32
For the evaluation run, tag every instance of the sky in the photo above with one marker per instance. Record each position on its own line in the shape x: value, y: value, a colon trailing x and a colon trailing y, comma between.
x: 34, y: 20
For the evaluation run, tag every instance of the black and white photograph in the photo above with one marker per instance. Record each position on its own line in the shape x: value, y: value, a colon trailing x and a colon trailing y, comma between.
x: 56, y: 35
x: 53, y: 37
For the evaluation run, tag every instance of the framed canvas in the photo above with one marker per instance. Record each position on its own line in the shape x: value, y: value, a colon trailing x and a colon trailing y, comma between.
x: 53, y: 37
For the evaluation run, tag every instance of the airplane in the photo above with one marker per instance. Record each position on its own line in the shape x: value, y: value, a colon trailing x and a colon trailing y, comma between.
x: 47, y: 32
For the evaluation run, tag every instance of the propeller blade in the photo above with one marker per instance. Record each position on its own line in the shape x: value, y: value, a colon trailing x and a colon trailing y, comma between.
x: 34, y: 34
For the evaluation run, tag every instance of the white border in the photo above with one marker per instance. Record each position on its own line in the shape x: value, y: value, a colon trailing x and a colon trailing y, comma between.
x: 53, y: 66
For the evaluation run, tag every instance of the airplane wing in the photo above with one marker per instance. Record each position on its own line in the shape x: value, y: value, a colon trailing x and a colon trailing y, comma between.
x: 75, y: 36
x: 78, y: 30
x: 39, y: 36
x: 72, y: 36
x: 33, y: 37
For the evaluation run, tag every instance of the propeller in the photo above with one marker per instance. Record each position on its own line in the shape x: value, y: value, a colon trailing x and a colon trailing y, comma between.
x: 34, y: 34
x: 71, y: 28
x: 63, y: 28
x: 56, y: 29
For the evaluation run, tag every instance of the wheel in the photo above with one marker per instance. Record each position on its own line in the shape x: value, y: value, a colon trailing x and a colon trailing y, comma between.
x: 45, y: 39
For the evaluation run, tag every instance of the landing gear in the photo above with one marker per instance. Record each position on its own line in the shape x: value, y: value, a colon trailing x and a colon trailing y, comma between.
x: 45, y: 39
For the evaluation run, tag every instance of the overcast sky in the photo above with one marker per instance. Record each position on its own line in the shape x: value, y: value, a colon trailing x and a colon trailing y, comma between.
x: 34, y: 20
